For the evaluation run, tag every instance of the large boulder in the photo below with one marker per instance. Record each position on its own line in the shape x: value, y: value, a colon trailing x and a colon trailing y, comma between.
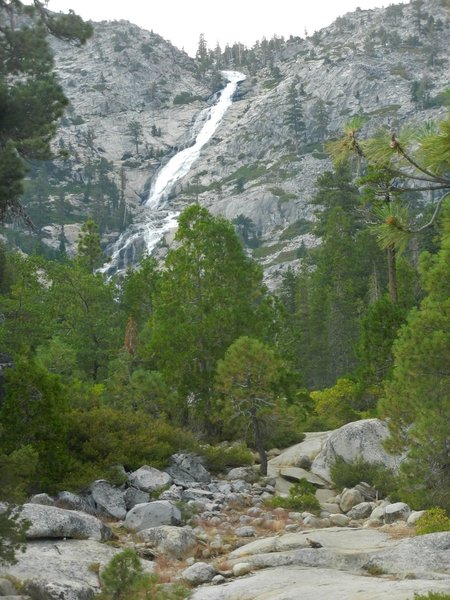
x: 108, y: 499
x: 152, y: 514
x: 174, y: 541
x: 53, y: 522
x: 361, y: 440
x: 399, y: 511
x: 149, y: 479
x: 63, y: 570
x: 71, y: 501
x: 186, y: 469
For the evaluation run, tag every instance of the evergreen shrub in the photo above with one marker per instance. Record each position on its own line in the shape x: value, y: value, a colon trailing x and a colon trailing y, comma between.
x: 218, y: 458
x: 348, y: 474
x: 433, y: 521
x: 301, y: 498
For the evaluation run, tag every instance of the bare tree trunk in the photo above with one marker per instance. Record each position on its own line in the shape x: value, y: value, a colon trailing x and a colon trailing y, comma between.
x: 259, y: 445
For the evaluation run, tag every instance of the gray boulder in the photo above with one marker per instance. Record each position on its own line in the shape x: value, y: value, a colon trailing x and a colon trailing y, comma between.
x: 149, y: 479
x: 349, y: 499
x: 399, y: 511
x: 361, y: 440
x: 186, y: 469
x: 152, y: 514
x: 7, y: 588
x: 108, y: 499
x: 198, y: 573
x: 174, y: 541
x: 71, y: 501
x: 133, y: 496
x: 44, y: 499
x: 246, y: 473
x: 361, y: 511
x: 53, y: 522
x: 41, y: 589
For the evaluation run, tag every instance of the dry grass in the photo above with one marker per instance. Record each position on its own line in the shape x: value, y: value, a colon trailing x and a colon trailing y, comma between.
x: 398, y: 532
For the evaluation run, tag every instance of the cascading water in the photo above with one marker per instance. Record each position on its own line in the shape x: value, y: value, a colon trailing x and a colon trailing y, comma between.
x: 157, y: 216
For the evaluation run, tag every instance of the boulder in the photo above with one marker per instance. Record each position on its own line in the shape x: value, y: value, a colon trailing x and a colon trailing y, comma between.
x: 133, y: 496
x: 349, y: 499
x: 246, y: 473
x: 414, y: 517
x: 362, y: 440
x: 44, y: 499
x: 186, y: 469
x: 297, y: 474
x: 245, y: 532
x: 399, y: 511
x: 241, y: 569
x: 55, y: 567
x: 174, y: 541
x: 107, y: 499
x: 7, y: 588
x: 149, y: 479
x: 198, y: 573
x: 53, y: 522
x: 361, y: 511
x: 152, y: 514
x: 339, y: 520
x: 71, y: 501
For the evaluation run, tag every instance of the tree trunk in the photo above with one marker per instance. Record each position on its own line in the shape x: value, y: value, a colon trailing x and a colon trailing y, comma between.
x: 392, y: 273
x: 260, y: 446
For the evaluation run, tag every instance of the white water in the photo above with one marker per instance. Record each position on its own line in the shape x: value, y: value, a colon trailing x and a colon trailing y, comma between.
x: 157, y: 218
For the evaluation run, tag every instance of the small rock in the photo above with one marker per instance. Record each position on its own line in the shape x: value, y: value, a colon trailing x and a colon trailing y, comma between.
x: 7, y: 588
x: 247, y: 474
x: 174, y: 541
x: 108, y: 499
x: 70, y: 501
x: 377, y: 514
x: 312, y: 521
x: 414, y: 517
x: 245, y: 532
x: 218, y: 580
x: 186, y: 469
x: 241, y: 569
x: 199, y: 572
x: 133, y: 496
x: 339, y: 520
x: 330, y: 508
x: 44, y: 499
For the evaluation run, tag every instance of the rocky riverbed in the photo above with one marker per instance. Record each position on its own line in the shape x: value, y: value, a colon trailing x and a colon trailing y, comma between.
x: 218, y: 536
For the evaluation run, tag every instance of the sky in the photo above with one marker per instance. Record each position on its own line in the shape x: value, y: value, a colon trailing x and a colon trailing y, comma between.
x: 228, y: 21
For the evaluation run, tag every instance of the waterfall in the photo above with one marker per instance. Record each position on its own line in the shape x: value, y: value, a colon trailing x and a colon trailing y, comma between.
x: 158, y: 217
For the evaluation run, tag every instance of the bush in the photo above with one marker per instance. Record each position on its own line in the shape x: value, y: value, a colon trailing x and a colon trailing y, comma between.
x: 301, y: 498
x: 185, y: 98
x: 218, y: 458
x: 432, y: 596
x: 124, y: 579
x: 345, y: 474
x: 335, y: 405
x: 103, y: 437
x: 433, y: 521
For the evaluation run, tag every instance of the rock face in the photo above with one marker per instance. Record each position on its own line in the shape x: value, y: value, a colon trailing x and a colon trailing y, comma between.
x: 152, y: 514
x: 252, y: 167
x: 52, y: 522
x: 359, y: 440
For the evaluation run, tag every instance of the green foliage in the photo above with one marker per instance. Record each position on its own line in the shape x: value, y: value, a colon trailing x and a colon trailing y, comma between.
x: 31, y: 98
x: 103, y: 437
x: 208, y: 295
x: 432, y: 521
x: 432, y: 596
x: 301, y: 498
x: 185, y: 98
x: 12, y: 534
x: 247, y: 377
x: 17, y: 471
x: 348, y: 474
x: 89, y: 251
x: 33, y: 415
x: 335, y: 406
x: 219, y: 458
x: 417, y: 401
x: 125, y: 579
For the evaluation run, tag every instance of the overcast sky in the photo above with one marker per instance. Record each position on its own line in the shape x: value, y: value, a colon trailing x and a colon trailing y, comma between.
x: 182, y: 21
